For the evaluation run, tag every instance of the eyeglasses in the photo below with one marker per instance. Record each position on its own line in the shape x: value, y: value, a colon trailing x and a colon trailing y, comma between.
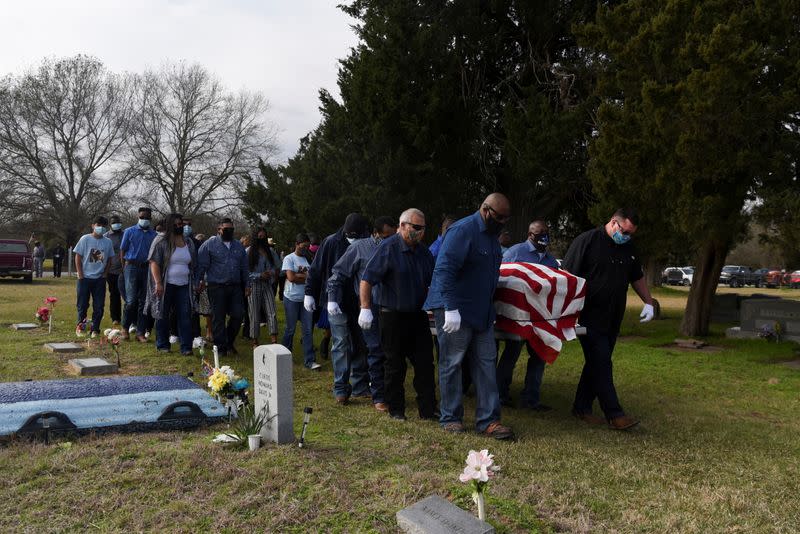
x: 417, y: 227
x: 623, y: 232
x: 499, y: 217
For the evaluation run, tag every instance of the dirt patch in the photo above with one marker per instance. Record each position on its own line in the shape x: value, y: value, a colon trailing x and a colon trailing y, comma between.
x: 684, y: 348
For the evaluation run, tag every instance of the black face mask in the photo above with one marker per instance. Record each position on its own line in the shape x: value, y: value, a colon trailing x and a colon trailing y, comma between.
x: 177, y: 230
x: 493, y: 225
x: 227, y: 234
x: 540, y: 241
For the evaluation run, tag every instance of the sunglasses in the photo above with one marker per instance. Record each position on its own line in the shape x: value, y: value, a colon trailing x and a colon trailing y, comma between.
x: 499, y: 217
x: 417, y: 227
x: 623, y: 232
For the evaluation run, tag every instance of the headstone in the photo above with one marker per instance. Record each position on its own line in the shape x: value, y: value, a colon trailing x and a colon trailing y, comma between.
x: 725, y: 308
x: 433, y: 515
x: 92, y: 366
x: 272, y: 374
x: 773, y: 314
x: 24, y: 326
x: 63, y: 347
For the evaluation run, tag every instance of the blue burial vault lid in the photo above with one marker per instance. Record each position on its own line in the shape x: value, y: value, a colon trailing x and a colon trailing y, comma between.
x: 135, y: 402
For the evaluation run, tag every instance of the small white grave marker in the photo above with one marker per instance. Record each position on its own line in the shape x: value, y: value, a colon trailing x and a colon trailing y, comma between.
x: 274, y: 392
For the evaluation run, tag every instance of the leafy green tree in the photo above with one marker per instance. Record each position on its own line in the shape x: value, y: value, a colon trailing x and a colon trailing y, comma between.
x: 696, y: 98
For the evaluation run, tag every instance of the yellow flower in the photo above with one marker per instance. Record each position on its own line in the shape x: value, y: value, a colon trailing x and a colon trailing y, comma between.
x: 218, y: 381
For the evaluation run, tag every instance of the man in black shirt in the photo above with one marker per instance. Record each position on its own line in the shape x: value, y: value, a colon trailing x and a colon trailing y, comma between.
x: 608, y: 261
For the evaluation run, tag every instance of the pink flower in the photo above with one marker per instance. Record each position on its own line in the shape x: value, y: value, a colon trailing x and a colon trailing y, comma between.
x: 51, y: 300
x: 479, y: 467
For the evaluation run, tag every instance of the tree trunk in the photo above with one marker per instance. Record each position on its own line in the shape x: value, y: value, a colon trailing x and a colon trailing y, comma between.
x: 704, y: 285
x: 652, y: 273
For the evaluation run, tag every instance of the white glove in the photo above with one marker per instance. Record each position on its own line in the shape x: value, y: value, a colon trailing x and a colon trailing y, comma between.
x: 647, y: 313
x: 452, y: 321
x: 333, y: 308
x: 309, y: 304
x: 365, y: 318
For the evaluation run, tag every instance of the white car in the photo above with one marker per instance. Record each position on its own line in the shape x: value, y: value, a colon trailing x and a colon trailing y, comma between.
x: 678, y: 276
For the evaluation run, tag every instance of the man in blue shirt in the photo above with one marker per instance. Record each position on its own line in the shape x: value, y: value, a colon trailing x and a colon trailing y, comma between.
x: 532, y: 250
x: 222, y: 262
x: 401, y: 268
x: 92, y: 260
x: 345, y: 278
x: 134, y: 250
x: 461, y: 298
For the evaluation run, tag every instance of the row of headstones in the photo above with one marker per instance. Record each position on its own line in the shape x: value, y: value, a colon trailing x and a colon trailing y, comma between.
x: 764, y: 317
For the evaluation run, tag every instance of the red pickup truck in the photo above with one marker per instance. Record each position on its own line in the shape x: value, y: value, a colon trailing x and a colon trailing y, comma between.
x: 15, y: 259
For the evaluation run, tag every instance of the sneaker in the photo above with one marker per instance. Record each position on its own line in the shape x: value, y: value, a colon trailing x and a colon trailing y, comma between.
x: 399, y: 416
x: 147, y: 335
x: 454, y: 428
x: 132, y: 329
x: 163, y: 350
x: 173, y: 340
x: 79, y: 332
x: 497, y: 431
x: 94, y: 335
x: 314, y: 366
x: 342, y: 400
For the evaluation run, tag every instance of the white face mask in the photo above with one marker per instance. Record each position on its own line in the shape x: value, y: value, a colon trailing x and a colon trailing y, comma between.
x: 162, y: 233
x: 350, y: 240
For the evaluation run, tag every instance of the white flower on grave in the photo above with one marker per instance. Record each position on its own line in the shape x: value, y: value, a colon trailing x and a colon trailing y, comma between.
x: 198, y: 343
x: 479, y: 467
x: 228, y: 371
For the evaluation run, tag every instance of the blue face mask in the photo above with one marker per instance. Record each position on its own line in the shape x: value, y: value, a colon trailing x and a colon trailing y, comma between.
x: 116, y: 227
x: 144, y: 223
x: 620, y: 238
x: 99, y: 230
x: 187, y: 230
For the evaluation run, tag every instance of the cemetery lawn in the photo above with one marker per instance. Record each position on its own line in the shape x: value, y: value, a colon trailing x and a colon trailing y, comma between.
x: 718, y: 448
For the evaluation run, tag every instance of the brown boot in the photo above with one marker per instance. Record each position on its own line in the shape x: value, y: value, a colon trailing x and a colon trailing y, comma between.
x: 589, y: 418
x: 623, y: 422
x: 497, y: 431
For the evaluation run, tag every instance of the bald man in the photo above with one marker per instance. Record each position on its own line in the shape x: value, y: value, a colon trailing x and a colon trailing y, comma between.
x: 461, y: 298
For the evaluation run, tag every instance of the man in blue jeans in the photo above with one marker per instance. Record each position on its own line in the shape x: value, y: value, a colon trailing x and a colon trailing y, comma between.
x: 92, y: 255
x: 345, y: 275
x: 134, y: 249
x: 532, y: 250
x: 461, y: 298
x: 222, y: 261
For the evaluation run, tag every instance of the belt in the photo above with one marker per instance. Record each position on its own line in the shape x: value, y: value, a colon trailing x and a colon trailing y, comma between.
x: 136, y: 263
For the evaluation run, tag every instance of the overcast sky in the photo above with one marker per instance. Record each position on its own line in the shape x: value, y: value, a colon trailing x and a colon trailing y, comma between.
x: 287, y: 49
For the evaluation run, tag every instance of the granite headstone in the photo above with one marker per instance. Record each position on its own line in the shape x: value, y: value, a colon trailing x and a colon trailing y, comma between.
x: 435, y: 515
x: 24, y: 326
x: 92, y: 366
x: 274, y: 392
x: 63, y: 347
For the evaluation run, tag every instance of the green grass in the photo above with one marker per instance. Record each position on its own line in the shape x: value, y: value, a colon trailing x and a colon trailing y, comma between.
x: 717, y: 450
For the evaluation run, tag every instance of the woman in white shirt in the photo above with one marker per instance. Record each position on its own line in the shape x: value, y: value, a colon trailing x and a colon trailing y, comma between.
x: 173, y: 260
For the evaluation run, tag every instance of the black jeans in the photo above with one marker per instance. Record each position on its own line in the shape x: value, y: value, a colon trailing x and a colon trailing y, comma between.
x: 57, y: 267
x: 407, y: 335
x: 226, y: 300
x: 114, y: 298
x: 597, y: 379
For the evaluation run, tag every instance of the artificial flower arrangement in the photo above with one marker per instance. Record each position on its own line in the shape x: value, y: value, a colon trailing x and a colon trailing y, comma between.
x: 45, y: 313
x: 479, y: 469
x: 229, y: 388
x: 81, y: 328
x: 200, y: 344
x: 114, y: 338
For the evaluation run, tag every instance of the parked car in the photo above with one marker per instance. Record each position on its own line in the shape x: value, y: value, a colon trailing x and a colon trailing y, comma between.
x: 15, y: 259
x: 774, y: 278
x: 794, y: 280
x: 739, y: 276
x: 678, y: 276
x: 762, y: 275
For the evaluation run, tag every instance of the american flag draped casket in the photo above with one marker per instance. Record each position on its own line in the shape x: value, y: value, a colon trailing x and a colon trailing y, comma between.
x: 540, y: 304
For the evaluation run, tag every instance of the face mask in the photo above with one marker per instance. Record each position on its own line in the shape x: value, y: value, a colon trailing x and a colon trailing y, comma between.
x: 162, y: 234
x: 378, y: 239
x: 415, y: 235
x: 227, y: 234
x: 116, y: 226
x: 187, y: 230
x: 99, y: 230
x: 620, y: 238
x: 493, y: 225
x: 144, y: 223
x: 178, y: 230
x: 313, y: 248
x: 350, y: 239
x: 540, y: 241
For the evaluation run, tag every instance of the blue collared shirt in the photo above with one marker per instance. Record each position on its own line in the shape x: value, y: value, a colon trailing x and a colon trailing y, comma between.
x: 136, y: 241
x: 404, y: 274
x: 350, y: 267
x: 527, y: 253
x: 466, y: 273
x: 435, y: 246
x: 222, y: 265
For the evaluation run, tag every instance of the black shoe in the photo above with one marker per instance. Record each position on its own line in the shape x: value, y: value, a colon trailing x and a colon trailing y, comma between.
x: 323, y: 347
x: 398, y: 415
